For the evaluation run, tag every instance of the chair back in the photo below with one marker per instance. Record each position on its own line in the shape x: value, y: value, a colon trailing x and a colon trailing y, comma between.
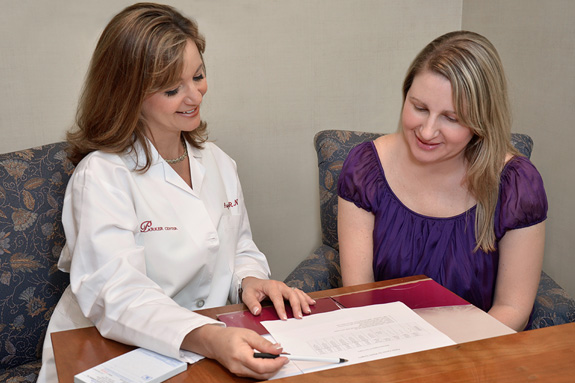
x: 32, y: 186
x: 332, y: 147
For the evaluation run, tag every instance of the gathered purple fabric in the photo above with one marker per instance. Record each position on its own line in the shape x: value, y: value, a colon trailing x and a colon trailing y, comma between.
x: 407, y: 243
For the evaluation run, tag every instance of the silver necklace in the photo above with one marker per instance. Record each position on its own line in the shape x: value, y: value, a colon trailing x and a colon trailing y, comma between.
x: 180, y: 158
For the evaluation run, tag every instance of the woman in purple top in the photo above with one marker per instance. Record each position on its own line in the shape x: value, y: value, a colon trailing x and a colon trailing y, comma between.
x: 447, y: 195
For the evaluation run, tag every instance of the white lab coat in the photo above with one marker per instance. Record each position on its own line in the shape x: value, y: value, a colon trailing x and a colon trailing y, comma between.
x: 144, y: 250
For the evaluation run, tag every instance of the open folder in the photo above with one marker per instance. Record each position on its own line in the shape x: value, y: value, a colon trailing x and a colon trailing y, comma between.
x: 419, y: 294
x: 449, y: 315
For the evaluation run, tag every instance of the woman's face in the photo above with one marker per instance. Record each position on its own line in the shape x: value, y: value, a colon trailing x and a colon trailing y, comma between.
x: 430, y: 125
x: 177, y: 109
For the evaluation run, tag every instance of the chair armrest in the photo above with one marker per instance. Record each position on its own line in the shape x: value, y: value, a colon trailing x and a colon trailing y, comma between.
x: 553, y: 306
x: 319, y: 271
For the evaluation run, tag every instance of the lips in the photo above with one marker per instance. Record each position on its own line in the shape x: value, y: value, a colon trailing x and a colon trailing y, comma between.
x: 426, y: 145
x: 191, y: 112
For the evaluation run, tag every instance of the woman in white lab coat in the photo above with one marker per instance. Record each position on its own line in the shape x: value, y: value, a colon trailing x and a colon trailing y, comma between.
x: 154, y: 215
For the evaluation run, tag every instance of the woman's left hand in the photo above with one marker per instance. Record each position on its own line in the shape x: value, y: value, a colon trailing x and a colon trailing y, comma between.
x: 256, y: 290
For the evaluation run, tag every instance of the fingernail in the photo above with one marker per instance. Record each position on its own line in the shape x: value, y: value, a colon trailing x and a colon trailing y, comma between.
x: 256, y: 310
x: 308, y: 311
x: 278, y: 346
x: 284, y: 317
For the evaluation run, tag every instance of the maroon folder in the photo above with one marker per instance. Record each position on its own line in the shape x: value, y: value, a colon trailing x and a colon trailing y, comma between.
x: 416, y: 295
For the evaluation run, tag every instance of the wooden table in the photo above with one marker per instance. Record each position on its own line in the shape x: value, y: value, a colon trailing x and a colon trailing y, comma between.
x: 544, y: 355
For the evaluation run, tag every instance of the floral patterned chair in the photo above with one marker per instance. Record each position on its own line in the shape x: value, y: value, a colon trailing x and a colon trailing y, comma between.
x: 321, y: 269
x: 32, y: 185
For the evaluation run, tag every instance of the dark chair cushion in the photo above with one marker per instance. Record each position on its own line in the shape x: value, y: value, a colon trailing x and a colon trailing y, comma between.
x: 32, y: 185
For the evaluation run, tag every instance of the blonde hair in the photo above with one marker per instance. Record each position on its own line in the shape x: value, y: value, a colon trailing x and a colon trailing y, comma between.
x: 473, y: 67
x: 139, y: 53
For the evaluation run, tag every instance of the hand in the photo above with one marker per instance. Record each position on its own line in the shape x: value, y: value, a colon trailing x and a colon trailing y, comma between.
x: 234, y: 348
x: 256, y: 290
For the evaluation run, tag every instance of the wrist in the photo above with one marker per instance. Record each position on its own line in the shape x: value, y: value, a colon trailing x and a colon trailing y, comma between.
x: 200, y: 340
x: 241, y: 291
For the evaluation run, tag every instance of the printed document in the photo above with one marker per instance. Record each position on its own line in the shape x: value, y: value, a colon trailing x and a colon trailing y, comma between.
x: 137, y: 366
x: 358, y: 334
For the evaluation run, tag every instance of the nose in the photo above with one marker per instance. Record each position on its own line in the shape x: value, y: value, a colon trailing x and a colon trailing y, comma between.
x: 428, y: 129
x: 194, y: 95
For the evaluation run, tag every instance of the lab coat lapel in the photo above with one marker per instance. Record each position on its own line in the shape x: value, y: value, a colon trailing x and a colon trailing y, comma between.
x: 197, y: 171
x: 170, y: 176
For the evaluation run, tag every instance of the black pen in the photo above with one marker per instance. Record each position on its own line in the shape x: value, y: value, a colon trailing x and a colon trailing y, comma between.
x: 265, y: 355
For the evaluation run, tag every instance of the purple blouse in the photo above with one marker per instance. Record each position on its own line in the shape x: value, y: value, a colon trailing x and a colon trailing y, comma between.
x: 407, y: 243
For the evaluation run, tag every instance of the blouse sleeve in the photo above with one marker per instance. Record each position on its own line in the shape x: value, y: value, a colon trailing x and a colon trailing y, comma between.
x: 357, y: 181
x: 522, y: 201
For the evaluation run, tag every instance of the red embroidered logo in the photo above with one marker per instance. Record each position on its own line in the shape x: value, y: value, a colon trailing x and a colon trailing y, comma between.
x: 146, y: 226
x: 229, y: 205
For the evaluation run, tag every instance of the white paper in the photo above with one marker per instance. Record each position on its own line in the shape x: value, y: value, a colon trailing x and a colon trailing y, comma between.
x: 357, y: 334
x: 137, y: 366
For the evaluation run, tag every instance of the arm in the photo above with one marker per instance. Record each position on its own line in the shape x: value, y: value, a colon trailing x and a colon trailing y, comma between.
x: 355, y: 233
x: 520, y: 262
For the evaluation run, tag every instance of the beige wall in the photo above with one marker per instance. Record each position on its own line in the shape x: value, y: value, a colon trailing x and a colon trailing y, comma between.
x: 278, y: 72
x: 536, y: 41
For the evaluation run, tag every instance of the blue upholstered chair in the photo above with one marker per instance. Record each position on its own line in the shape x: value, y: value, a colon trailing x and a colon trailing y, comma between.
x: 321, y: 270
x: 32, y: 185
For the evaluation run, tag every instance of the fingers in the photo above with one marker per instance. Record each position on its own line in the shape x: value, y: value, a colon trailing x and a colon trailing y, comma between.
x: 243, y: 363
x: 255, y: 290
x: 234, y: 348
x: 253, y: 294
x: 300, y: 302
x: 277, y: 299
x: 253, y: 303
x: 261, y: 344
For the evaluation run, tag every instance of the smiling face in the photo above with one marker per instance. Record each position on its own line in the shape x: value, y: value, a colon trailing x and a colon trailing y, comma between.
x: 177, y: 109
x: 430, y: 126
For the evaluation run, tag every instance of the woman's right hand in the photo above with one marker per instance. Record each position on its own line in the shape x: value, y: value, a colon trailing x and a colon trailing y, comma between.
x: 234, y: 348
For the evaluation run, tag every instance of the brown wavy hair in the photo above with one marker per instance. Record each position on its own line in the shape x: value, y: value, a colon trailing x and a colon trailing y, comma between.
x: 139, y: 53
x: 473, y: 67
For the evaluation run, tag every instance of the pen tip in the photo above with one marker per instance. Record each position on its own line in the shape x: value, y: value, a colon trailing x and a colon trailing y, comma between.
x: 341, y: 360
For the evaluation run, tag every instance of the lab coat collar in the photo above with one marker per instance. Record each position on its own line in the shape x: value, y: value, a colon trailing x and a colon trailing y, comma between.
x: 138, y: 159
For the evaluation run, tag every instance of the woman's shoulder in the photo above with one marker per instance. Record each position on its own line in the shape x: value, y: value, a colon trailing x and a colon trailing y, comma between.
x: 219, y: 155
x: 371, y: 156
x: 100, y: 167
x: 361, y: 155
x: 100, y: 159
x: 520, y: 179
x: 519, y: 168
x: 361, y: 179
x: 523, y: 200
